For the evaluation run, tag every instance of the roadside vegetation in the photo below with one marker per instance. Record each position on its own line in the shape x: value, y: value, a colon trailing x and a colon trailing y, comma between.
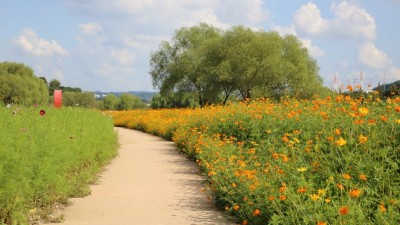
x: 332, y: 160
x: 48, y: 155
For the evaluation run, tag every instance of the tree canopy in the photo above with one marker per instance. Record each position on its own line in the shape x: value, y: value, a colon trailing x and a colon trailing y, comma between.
x: 19, y: 85
x: 216, y: 65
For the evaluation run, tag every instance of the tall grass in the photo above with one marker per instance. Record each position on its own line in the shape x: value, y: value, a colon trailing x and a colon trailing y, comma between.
x: 45, y: 159
x: 322, y: 161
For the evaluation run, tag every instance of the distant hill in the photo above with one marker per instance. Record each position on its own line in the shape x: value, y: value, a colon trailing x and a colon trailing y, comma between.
x: 146, y: 96
x: 387, y: 86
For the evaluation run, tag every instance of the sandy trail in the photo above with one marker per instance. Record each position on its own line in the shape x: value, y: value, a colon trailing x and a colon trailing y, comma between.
x: 149, y: 183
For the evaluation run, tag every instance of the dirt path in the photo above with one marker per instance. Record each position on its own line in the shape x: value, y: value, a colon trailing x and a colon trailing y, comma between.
x: 149, y: 183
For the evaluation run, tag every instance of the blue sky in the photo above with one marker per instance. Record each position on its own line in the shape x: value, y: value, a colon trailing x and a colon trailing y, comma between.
x: 105, y: 44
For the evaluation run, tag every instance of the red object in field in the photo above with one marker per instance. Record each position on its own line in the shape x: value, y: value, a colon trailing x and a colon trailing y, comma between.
x: 57, y: 98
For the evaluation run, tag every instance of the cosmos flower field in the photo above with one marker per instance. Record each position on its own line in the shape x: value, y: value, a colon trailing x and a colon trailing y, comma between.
x: 323, y: 161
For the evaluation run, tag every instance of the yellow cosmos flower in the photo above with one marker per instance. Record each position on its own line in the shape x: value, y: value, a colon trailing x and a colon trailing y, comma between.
x: 363, y: 111
x: 302, y: 169
x: 340, y: 142
x: 362, y: 139
x: 314, y: 197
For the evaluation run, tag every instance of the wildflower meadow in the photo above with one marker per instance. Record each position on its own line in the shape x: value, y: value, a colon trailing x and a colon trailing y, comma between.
x: 48, y: 155
x: 334, y: 160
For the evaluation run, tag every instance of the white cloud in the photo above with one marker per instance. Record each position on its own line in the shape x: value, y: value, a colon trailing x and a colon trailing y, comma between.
x: 353, y: 21
x: 308, y: 20
x: 350, y: 22
x: 122, y: 56
x: 90, y: 28
x: 174, y: 13
x: 30, y: 42
x: 282, y: 30
x: 91, y: 33
x: 369, y: 55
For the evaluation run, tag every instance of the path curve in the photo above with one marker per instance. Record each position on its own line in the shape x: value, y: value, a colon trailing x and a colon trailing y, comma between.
x: 148, y: 183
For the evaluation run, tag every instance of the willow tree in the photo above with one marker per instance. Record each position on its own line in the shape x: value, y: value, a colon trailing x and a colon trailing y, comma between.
x: 215, y: 64
x: 19, y: 85
x: 179, y: 66
x: 264, y: 64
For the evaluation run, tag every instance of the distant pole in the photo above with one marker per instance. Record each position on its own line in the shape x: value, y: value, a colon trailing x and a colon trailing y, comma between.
x: 362, y: 80
x: 57, y: 98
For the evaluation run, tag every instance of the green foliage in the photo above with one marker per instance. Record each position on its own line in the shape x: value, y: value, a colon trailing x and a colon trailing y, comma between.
x: 56, y: 85
x: 19, y: 85
x: 46, y: 159
x: 128, y: 101
x: 174, y: 100
x: 85, y: 99
x: 110, y: 102
x: 216, y: 65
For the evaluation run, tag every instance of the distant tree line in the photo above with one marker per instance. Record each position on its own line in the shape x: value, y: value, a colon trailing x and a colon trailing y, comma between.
x: 19, y: 85
x: 123, y: 102
x: 218, y: 65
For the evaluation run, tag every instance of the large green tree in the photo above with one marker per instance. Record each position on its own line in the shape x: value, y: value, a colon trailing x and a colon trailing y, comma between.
x: 19, y: 85
x: 180, y: 66
x: 242, y: 62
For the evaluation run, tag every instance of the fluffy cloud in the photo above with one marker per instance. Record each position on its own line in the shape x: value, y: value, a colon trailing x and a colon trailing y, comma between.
x: 350, y: 22
x: 30, y: 42
x: 308, y: 20
x: 174, y: 13
x: 369, y: 55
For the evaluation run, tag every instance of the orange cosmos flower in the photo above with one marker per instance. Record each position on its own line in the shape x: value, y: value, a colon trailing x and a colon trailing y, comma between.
x: 275, y: 155
x: 301, y: 190
x: 384, y: 118
x: 285, y: 139
x: 321, y: 223
x: 344, y: 210
x: 340, y: 186
x: 350, y: 88
x: 236, y: 207
x: 382, y: 208
x: 338, y: 131
x: 271, y: 198
x: 282, y: 198
x: 256, y: 212
x: 397, y: 108
x: 346, y: 176
x: 355, y: 193
x: 363, y: 177
x: 358, y: 122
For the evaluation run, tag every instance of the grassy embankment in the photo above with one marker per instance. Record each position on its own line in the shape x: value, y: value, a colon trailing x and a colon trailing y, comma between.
x: 45, y: 159
x: 322, y: 161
